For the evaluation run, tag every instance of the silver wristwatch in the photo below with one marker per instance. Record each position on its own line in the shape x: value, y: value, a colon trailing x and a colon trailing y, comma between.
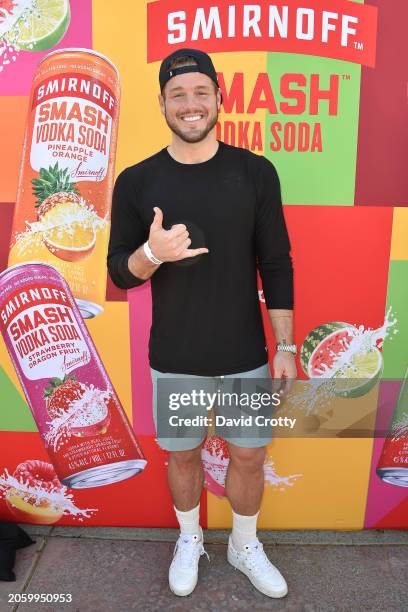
x: 288, y: 348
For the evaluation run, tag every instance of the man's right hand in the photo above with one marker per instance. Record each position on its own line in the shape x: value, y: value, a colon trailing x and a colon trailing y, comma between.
x: 172, y: 244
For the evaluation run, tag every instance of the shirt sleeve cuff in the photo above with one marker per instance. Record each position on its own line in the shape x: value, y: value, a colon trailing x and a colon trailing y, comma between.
x: 277, y: 289
x: 121, y: 275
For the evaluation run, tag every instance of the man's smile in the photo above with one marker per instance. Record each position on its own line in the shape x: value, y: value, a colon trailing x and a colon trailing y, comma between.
x: 192, y: 118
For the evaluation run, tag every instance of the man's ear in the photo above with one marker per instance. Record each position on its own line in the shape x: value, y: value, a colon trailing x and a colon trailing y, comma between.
x: 161, y: 103
x: 219, y: 99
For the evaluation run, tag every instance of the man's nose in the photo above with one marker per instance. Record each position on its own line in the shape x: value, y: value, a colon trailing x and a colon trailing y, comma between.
x: 191, y: 100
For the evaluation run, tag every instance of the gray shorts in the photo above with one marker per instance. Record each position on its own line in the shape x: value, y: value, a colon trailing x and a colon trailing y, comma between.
x: 197, y: 434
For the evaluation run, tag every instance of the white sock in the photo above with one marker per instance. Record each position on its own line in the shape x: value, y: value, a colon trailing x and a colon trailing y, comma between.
x: 189, y: 521
x: 243, y: 529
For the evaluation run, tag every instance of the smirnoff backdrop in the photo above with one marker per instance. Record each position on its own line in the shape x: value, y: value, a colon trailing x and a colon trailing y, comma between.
x: 318, y: 87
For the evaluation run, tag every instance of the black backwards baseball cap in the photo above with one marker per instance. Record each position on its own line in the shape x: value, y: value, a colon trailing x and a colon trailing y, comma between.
x: 204, y: 65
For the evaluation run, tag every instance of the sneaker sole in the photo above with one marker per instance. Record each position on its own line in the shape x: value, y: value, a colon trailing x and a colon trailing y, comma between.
x: 274, y: 594
x: 182, y: 592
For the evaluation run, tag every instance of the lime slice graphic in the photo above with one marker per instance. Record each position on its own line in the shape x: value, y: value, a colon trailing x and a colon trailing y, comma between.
x: 42, y: 26
x: 358, y: 376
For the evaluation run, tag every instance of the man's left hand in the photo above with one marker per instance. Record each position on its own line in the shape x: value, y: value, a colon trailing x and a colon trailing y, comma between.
x: 284, y: 366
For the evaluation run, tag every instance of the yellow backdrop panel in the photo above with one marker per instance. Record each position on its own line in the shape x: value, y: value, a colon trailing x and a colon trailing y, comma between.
x: 13, y: 111
x: 111, y: 335
x: 328, y: 493
x: 399, y: 240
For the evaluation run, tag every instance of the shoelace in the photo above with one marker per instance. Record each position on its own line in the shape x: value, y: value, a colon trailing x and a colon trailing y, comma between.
x: 186, y: 550
x: 256, y: 556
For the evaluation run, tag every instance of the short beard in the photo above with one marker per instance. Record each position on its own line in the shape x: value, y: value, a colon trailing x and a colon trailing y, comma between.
x: 198, y: 137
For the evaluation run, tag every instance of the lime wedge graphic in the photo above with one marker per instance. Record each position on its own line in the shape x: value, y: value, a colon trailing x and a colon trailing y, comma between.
x: 42, y: 26
x: 358, y: 376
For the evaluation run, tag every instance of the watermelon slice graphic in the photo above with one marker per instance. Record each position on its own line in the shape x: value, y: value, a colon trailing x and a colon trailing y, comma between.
x: 323, y: 346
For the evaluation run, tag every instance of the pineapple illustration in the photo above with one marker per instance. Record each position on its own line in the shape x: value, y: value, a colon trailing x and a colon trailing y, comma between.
x: 68, y: 232
x: 53, y: 187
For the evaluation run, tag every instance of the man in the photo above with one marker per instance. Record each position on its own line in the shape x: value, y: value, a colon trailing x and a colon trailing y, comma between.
x: 195, y: 218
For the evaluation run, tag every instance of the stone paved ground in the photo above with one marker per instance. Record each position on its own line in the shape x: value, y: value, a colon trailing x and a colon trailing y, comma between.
x: 119, y: 570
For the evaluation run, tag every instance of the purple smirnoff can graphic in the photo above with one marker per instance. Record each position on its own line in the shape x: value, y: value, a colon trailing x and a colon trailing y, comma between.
x: 79, y: 416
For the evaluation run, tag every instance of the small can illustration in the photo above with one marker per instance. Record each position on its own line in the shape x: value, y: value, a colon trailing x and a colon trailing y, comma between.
x: 62, y: 212
x: 79, y: 416
x: 393, y: 464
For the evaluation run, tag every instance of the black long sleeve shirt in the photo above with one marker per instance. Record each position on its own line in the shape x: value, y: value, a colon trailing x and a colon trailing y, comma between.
x: 206, y: 313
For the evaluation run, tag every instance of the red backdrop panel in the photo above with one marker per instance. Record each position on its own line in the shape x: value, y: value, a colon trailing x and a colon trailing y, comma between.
x: 141, y: 501
x: 341, y: 258
x: 381, y: 177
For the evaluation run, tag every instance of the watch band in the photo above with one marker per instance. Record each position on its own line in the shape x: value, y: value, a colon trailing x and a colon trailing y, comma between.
x: 149, y: 254
x: 288, y: 348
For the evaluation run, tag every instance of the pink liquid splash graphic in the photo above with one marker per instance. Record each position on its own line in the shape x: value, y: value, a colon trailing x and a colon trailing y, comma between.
x: 215, y: 460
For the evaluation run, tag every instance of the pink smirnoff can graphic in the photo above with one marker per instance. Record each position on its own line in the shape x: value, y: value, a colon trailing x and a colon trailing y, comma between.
x: 393, y: 463
x: 79, y: 416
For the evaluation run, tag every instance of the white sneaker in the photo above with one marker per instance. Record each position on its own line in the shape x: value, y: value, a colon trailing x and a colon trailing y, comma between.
x: 254, y: 563
x: 183, y: 572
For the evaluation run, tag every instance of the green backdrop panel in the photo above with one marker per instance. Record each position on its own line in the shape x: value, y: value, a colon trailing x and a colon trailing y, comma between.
x: 15, y: 414
x: 395, y: 347
x: 310, y: 175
